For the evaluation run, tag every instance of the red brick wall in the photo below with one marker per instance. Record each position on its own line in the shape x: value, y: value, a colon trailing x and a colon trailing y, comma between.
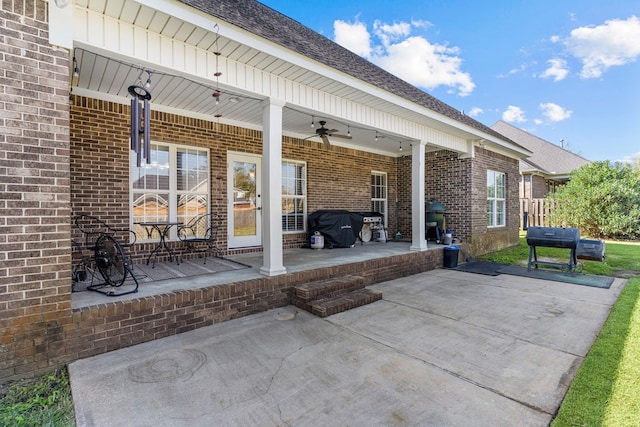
x: 461, y: 186
x: 449, y: 180
x: 490, y: 239
x: 337, y: 178
x: 35, y: 276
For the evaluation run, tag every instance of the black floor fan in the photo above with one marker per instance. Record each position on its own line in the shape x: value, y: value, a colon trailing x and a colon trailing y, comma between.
x: 111, y: 262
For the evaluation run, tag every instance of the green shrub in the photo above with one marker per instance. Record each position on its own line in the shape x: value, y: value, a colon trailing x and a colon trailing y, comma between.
x: 602, y: 200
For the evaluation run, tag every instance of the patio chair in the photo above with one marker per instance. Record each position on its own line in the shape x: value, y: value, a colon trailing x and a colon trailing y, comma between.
x: 201, y: 235
x: 103, y: 249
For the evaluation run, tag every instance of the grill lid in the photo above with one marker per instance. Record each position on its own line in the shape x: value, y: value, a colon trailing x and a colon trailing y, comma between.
x: 434, y: 206
x: 553, y: 237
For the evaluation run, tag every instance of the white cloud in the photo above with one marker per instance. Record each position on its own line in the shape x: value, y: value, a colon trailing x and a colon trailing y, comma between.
x: 513, y: 114
x: 388, y: 33
x: 353, y: 36
x: 633, y: 159
x: 513, y: 71
x: 475, y: 111
x: 554, y: 112
x: 613, y: 43
x: 557, y: 70
x: 411, y: 58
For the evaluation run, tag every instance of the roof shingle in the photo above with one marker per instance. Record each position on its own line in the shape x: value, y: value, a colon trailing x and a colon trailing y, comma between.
x: 547, y: 157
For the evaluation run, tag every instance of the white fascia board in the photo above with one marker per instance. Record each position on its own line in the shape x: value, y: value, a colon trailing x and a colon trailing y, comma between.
x: 207, y: 22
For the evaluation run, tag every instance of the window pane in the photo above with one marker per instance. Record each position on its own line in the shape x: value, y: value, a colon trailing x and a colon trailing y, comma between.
x: 293, y: 196
x: 148, y: 207
x: 190, y: 206
x: 500, y: 184
x: 192, y: 169
x: 379, y: 193
x: 500, y: 213
x: 173, y: 187
x: 491, y: 189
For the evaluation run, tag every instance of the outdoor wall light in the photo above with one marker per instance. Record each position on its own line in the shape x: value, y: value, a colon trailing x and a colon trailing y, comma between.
x: 147, y: 85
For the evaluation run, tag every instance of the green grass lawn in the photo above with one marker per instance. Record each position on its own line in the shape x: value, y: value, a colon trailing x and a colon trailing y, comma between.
x: 43, y: 402
x: 606, y: 389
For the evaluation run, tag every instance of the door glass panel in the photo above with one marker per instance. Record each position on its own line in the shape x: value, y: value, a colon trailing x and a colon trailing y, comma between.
x: 244, y: 199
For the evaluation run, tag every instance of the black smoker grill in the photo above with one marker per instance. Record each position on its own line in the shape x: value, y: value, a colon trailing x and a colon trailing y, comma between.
x: 552, y: 237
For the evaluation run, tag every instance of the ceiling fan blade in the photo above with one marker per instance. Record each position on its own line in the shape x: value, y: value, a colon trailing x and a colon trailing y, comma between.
x: 330, y: 131
x: 337, y: 135
x: 325, y: 140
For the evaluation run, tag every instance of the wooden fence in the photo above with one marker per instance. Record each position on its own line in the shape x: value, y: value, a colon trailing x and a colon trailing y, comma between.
x: 536, y: 212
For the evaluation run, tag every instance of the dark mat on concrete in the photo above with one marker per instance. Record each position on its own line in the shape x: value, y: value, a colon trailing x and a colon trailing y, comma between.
x: 168, y: 270
x: 480, y: 267
x: 494, y: 269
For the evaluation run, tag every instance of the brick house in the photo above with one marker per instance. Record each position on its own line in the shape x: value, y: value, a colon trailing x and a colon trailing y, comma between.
x: 65, y: 134
x: 548, y: 167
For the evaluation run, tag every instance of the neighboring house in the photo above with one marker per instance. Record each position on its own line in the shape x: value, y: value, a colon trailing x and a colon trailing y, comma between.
x: 65, y: 131
x: 547, y: 168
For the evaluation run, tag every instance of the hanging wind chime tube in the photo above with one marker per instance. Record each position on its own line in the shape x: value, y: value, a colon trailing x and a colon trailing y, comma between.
x: 140, y: 123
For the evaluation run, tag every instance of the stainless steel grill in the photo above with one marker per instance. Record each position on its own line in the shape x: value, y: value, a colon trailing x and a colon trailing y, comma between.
x: 552, y: 237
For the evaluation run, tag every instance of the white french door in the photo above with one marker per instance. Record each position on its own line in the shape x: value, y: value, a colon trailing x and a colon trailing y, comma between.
x: 244, y: 190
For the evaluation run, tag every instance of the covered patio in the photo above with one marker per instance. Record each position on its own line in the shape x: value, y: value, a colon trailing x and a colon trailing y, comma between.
x: 365, y: 259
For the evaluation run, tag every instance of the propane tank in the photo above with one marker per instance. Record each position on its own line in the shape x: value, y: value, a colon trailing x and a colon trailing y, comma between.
x: 317, y: 240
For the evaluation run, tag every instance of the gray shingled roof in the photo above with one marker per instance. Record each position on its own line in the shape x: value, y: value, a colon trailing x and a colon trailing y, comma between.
x: 267, y: 23
x: 547, y: 158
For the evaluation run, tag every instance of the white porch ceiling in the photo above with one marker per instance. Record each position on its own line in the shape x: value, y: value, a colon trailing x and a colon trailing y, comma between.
x: 104, y: 76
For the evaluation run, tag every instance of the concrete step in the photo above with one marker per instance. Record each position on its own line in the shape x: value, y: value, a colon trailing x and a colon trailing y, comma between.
x: 327, y: 306
x: 326, y: 288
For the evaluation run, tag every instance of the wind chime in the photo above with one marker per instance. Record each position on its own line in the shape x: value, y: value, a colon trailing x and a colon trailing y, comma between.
x: 140, y: 128
x: 216, y: 93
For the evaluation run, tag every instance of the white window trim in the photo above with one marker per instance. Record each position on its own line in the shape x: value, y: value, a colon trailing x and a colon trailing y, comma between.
x: 386, y: 199
x: 496, y: 199
x: 173, y: 185
x: 303, y: 197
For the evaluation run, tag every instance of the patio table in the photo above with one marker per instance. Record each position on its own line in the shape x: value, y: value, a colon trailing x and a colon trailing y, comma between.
x: 162, y: 227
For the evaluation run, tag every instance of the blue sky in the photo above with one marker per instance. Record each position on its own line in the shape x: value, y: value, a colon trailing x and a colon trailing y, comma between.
x: 562, y: 70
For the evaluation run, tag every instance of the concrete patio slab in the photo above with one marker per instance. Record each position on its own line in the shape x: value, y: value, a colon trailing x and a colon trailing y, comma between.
x: 443, y: 348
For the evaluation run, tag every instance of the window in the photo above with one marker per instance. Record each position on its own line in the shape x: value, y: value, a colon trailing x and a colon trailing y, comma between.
x: 294, y: 196
x: 496, y: 203
x: 173, y: 187
x: 379, y: 193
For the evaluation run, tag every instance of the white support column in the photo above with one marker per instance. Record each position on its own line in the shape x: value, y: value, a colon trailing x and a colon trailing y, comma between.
x: 418, y: 238
x: 272, y: 264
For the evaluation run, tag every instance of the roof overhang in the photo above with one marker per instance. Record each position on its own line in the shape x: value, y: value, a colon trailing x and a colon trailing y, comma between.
x: 122, y: 42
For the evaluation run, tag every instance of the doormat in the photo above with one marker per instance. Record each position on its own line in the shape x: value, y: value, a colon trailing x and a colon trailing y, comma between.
x: 168, y: 270
x: 494, y: 269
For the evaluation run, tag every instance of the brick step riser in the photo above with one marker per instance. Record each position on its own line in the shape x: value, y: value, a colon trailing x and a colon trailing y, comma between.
x: 329, y: 306
x: 328, y: 292
x: 327, y: 288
